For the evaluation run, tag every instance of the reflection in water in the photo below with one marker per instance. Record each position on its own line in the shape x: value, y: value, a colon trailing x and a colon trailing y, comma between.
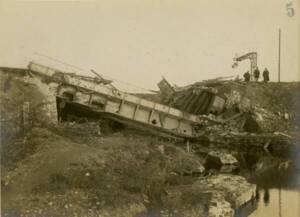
x: 276, y: 202
x: 273, y: 177
x: 266, y: 196
x: 279, y: 202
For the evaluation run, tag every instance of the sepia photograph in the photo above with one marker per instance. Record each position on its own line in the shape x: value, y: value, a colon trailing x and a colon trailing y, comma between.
x: 150, y: 108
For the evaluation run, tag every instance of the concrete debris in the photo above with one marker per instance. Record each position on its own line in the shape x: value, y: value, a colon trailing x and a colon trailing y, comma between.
x: 228, y: 168
x: 214, y: 196
x: 219, y: 206
x: 222, y: 161
x: 161, y: 149
x: 223, y: 158
x: 186, y: 164
x: 257, y: 107
x: 235, y: 188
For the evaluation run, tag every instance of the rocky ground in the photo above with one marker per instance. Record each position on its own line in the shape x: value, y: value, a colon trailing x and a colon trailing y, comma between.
x: 81, y: 169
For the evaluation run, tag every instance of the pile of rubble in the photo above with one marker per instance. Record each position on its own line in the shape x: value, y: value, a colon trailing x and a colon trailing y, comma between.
x: 247, y: 107
x: 217, y: 195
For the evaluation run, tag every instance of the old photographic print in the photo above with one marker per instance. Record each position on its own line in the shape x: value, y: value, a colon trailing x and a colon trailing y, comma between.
x: 150, y: 108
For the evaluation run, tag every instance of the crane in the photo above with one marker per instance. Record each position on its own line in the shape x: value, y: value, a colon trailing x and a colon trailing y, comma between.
x: 252, y: 56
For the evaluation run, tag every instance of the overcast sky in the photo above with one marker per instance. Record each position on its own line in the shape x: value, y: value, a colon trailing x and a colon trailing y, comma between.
x: 139, y: 41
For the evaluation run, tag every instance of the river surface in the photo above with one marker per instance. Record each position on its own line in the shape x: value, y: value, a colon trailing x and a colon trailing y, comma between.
x: 278, y: 193
x: 277, y: 203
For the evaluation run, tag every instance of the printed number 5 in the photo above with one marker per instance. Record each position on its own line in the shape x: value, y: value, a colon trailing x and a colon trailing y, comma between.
x: 290, y: 9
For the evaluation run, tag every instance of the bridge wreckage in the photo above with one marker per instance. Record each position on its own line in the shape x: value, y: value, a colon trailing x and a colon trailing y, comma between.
x: 205, y: 110
x: 96, y: 97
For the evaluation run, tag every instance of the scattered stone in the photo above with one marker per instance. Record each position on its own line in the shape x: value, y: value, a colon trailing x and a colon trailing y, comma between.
x: 161, y: 149
x: 235, y: 189
x: 219, y: 206
x: 218, y: 160
x: 286, y: 116
x: 187, y: 166
x: 228, y: 168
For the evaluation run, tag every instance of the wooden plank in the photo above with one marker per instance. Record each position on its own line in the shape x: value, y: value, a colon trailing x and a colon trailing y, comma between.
x: 135, y: 111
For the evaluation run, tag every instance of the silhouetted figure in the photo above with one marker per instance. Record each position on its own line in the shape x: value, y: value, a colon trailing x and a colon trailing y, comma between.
x: 266, y: 196
x: 256, y: 74
x: 257, y: 194
x: 266, y: 75
x: 247, y: 76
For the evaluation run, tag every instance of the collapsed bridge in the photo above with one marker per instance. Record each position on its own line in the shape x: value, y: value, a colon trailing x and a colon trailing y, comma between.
x: 226, y: 111
x: 96, y: 97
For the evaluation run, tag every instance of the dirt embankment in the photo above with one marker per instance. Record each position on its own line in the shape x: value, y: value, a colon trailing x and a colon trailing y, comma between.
x: 102, y: 174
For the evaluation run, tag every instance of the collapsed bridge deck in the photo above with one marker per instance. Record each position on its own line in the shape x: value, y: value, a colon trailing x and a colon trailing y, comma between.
x: 118, y: 105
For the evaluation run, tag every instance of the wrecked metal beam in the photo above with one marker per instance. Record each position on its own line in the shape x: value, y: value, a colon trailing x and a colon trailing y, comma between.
x: 117, y: 104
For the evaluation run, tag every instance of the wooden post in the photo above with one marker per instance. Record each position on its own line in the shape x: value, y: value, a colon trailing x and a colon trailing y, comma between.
x: 25, y: 115
x: 188, y: 148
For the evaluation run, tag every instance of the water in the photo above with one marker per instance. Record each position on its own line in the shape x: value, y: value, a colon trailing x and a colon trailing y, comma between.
x: 278, y: 190
x: 277, y: 202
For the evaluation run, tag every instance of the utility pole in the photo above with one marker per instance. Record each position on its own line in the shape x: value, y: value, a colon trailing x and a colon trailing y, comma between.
x: 279, y: 47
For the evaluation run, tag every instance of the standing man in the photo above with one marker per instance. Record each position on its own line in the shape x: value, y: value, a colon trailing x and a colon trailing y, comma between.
x: 266, y: 75
x: 256, y: 74
x: 247, y: 76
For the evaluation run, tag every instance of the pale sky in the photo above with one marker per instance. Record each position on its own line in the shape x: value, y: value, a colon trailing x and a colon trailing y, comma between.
x: 139, y: 41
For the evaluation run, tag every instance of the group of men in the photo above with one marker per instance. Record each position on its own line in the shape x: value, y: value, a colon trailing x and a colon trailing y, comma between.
x: 256, y: 74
